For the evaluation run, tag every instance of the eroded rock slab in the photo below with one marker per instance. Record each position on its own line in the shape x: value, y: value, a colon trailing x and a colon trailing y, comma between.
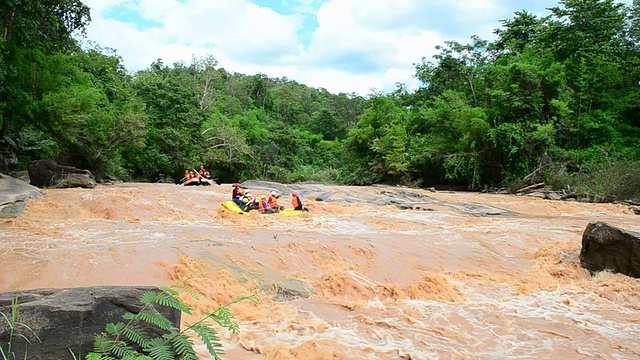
x: 14, y: 195
x: 606, y: 247
x: 400, y: 198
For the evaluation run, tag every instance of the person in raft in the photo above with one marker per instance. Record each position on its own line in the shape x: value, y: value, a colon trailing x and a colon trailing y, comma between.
x: 237, y: 194
x: 204, y: 172
x: 295, y: 201
x: 186, y: 177
x: 249, y: 202
x: 264, y: 207
x: 273, y: 201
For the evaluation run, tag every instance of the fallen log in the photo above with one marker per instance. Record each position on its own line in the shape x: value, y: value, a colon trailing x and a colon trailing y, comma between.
x: 531, y: 187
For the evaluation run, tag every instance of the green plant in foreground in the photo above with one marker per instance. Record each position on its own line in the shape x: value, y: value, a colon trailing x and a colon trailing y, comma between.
x: 6, y: 350
x: 131, y: 340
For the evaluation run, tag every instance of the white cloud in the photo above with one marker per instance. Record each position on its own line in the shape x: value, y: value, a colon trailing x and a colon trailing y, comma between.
x: 358, y: 45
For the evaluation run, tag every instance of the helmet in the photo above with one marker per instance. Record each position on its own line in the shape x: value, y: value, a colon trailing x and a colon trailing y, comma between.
x: 248, y: 192
x: 263, y: 196
x: 274, y: 193
x: 236, y: 185
x: 294, y: 194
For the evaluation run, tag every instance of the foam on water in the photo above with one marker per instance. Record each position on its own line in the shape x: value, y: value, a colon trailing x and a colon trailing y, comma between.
x: 480, y: 276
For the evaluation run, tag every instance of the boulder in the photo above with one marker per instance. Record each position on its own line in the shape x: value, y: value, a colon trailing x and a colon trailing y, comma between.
x: 606, y: 247
x: 45, y: 174
x: 14, y: 194
x: 554, y: 195
x: 68, y: 319
x: 538, y: 194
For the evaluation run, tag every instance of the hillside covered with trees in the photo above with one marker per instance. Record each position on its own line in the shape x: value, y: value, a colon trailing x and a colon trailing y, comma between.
x: 554, y: 99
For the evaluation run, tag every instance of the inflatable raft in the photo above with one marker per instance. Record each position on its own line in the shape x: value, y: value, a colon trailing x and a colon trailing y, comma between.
x: 231, y: 205
x: 197, y: 182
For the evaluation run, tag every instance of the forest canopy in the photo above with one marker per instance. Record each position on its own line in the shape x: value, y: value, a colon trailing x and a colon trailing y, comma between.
x: 553, y: 99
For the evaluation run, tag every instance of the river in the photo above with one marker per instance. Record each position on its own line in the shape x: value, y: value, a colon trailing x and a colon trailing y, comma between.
x: 389, y: 283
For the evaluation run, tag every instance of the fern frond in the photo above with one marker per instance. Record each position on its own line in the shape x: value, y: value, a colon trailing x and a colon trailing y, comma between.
x: 224, y: 318
x: 155, y: 318
x: 169, y: 289
x: 253, y: 298
x: 173, y: 302
x: 183, y: 345
x: 210, y: 339
x: 136, y: 334
x: 137, y: 357
x: 122, y: 349
x: 129, y: 316
x: 234, y: 328
x: 159, y: 350
x: 182, y: 286
x: 102, y: 344
x: 94, y: 356
x: 148, y: 297
x: 114, y: 329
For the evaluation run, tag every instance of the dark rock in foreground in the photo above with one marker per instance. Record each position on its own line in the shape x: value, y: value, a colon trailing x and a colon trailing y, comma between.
x: 606, y: 247
x: 68, y: 320
x: 45, y: 174
x: 14, y: 194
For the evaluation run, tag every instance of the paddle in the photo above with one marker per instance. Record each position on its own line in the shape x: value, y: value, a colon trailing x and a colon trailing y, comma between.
x: 200, y: 177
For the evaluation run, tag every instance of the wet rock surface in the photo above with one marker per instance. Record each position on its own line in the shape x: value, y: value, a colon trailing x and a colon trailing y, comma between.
x: 290, y: 290
x: 14, y: 195
x: 45, y: 174
x: 400, y: 198
x: 68, y: 319
x: 609, y: 248
x: 264, y: 187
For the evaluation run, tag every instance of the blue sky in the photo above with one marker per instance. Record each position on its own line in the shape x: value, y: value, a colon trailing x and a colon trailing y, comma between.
x: 341, y: 45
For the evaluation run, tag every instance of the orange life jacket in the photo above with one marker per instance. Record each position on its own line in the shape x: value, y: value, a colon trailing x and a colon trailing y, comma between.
x: 295, y: 202
x: 262, y: 205
x: 273, y: 202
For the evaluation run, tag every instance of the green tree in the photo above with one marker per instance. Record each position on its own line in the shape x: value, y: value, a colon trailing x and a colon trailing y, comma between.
x: 174, y: 138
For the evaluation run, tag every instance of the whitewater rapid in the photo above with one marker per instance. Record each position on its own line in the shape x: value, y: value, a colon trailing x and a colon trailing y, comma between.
x: 384, y: 283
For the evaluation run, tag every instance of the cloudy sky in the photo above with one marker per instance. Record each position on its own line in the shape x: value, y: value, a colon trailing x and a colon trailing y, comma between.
x: 341, y: 45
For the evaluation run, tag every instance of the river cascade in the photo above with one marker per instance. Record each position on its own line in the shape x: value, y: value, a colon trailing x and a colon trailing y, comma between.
x: 458, y: 276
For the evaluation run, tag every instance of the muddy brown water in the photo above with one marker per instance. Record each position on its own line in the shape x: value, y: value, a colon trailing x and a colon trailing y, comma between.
x: 389, y: 283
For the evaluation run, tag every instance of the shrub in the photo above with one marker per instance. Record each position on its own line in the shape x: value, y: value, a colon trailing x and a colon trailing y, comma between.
x: 604, y: 180
x: 130, y: 341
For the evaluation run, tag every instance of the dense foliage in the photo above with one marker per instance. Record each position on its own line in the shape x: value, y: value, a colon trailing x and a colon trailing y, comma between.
x: 553, y: 98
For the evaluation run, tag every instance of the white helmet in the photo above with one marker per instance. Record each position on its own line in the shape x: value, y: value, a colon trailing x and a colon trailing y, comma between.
x: 274, y: 193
